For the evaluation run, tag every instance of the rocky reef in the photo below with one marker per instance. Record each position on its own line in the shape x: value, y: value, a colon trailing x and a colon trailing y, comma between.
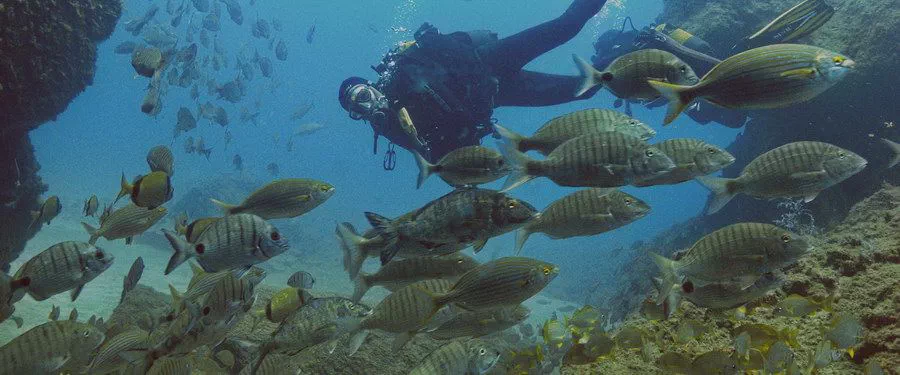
x: 856, y: 263
x: 47, y: 54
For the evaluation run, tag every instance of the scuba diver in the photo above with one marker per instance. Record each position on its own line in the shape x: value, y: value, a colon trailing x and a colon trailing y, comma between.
x: 795, y: 23
x: 437, y: 93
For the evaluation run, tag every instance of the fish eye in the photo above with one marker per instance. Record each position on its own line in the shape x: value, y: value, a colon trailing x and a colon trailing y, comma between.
x: 325, y: 188
x: 275, y: 236
x: 459, y: 261
x: 785, y: 238
x: 200, y: 248
x: 838, y: 60
x: 206, y: 310
x: 683, y: 69
x: 842, y: 156
x: 649, y: 153
x: 547, y: 270
x: 512, y: 205
x: 710, y: 150
x: 628, y: 201
x: 482, y: 352
x: 87, y: 333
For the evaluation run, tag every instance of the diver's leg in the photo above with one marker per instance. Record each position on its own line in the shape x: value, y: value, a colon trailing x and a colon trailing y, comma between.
x: 533, y: 89
x: 512, y: 53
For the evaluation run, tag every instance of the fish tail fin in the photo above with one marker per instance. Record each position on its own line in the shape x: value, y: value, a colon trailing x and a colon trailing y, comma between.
x: 385, y: 228
x: 511, y: 137
x: 176, y: 297
x: 181, y: 248
x: 351, y: 245
x: 521, y: 165
x: 679, y: 97
x: 723, y: 190
x: 126, y: 188
x: 669, y: 295
x: 522, y: 236
x: 425, y: 169
x: 93, y: 232
x: 895, y: 147
x: 589, y: 74
x: 227, y: 209
x: 360, y: 287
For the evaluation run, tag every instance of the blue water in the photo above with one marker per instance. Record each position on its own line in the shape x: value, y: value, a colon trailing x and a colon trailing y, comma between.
x: 103, y: 133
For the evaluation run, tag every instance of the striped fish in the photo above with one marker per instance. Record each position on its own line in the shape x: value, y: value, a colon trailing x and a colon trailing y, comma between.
x: 232, y: 242
x: 738, y: 253
x: 126, y: 222
x: 799, y: 169
x: 470, y: 165
x: 773, y: 76
x: 693, y: 158
x: 728, y: 295
x: 227, y: 297
x: 62, y: 267
x: 563, y: 128
x: 626, y: 76
x: 282, y: 199
x: 467, y: 215
x: 480, y: 323
x: 132, y: 278
x: 459, y: 358
x: 501, y: 282
x: 314, y: 323
x: 403, y: 312
x: 357, y: 248
x: 174, y: 365
x: 795, y: 23
x: 160, y: 159
x: 90, y: 206
x: 301, y: 279
x: 584, y: 213
x: 414, y: 269
x: 202, y: 283
x: 275, y: 364
x: 604, y: 159
x: 108, y: 355
x: 50, y: 348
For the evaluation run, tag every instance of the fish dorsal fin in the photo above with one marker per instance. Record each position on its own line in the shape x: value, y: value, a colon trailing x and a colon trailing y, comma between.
x: 176, y: 296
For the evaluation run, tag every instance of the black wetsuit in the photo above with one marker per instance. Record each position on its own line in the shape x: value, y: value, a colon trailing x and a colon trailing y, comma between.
x: 450, y: 83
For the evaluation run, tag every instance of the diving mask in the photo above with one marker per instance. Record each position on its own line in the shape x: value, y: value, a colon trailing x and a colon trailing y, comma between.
x: 366, y: 101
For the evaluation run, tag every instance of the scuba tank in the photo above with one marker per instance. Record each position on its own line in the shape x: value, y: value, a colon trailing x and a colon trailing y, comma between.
x: 684, y: 38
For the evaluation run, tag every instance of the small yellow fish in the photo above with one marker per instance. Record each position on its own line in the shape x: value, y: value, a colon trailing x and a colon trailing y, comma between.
x: 48, y: 211
x: 148, y: 191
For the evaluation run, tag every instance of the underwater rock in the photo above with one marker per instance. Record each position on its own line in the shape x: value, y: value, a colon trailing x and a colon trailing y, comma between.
x: 857, y: 263
x: 46, y: 59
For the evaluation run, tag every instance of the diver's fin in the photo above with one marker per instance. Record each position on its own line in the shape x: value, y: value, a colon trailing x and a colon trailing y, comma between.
x: 678, y: 96
x: 723, y: 190
x: 798, y: 21
x: 895, y: 147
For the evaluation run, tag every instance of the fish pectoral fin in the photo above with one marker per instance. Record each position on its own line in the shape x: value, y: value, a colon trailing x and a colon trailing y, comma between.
x: 810, y: 197
x: 802, y: 73
x: 478, y: 245
x: 53, y: 364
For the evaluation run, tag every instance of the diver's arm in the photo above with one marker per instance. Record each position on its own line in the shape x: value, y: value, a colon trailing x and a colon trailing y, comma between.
x: 510, y: 54
x: 533, y: 89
